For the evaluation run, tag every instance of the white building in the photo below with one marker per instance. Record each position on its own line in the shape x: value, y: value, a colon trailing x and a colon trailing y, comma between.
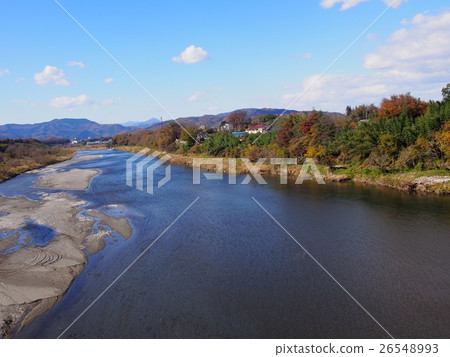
x: 258, y: 129
x: 226, y: 127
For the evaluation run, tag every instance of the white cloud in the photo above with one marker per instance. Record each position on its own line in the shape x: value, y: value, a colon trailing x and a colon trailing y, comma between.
x: 306, y: 55
x: 414, y: 59
x: 75, y: 63
x: 333, y: 92
x: 347, y: 4
x: 192, y: 54
x: 395, y: 4
x: 422, y: 46
x: 108, y: 80
x: 70, y: 102
x: 20, y: 79
x: 196, y: 96
x: 4, y: 71
x: 51, y: 75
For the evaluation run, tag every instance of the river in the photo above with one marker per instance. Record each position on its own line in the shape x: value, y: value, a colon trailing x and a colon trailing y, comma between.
x: 226, y: 269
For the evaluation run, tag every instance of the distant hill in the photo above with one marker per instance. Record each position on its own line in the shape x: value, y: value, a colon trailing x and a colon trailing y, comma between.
x: 215, y: 120
x: 61, y: 128
x: 141, y: 124
x: 84, y: 128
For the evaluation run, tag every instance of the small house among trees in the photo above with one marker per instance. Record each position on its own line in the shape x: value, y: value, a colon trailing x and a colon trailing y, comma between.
x: 258, y: 129
x: 224, y: 126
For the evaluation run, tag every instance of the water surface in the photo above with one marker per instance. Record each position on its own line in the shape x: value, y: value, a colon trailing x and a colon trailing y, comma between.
x: 225, y: 269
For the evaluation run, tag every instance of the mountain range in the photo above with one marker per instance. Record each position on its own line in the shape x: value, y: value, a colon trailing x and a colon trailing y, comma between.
x: 84, y: 128
x: 212, y: 121
x: 61, y: 128
x: 141, y: 124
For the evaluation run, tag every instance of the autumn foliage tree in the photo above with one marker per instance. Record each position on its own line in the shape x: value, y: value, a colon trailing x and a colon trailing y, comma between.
x: 306, y: 125
x: 362, y: 112
x: 253, y: 153
x: 167, y: 136
x: 396, y: 104
x: 403, y: 133
x: 286, y: 132
x: 443, y: 140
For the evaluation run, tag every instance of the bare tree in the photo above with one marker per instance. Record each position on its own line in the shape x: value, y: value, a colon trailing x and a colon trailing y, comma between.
x: 237, y: 118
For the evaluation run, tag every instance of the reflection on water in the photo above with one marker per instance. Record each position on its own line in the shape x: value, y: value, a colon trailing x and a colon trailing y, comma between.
x: 225, y: 269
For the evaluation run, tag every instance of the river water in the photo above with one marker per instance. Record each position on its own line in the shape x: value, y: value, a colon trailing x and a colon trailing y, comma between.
x: 226, y: 269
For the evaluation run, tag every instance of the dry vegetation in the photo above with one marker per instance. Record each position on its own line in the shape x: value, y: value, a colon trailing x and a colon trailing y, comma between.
x: 18, y: 156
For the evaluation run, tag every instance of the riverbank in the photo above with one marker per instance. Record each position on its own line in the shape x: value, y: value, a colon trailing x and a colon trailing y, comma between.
x: 431, y: 181
x: 19, y: 156
x: 30, y: 159
x: 32, y: 277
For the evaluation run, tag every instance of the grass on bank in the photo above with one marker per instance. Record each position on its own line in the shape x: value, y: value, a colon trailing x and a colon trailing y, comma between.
x: 398, y: 179
x: 19, y: 156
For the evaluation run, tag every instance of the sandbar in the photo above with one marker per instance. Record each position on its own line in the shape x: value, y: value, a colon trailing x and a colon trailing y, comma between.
x: 76, y: 179
x: 32, y: 278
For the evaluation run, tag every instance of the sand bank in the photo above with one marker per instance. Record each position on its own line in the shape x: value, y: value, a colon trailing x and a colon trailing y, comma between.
x: 75, y: 179
x: 52, y: 168
x: 33, y: 279
x: 56, y: 211
x: 120, y: 225
x: 34, y: 273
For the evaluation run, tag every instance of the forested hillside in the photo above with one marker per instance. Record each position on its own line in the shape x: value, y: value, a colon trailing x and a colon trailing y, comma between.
x: 400, y: 134
x: 214, y: 120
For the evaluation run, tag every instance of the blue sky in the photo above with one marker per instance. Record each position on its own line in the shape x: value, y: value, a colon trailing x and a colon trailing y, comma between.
x: 237, y: 54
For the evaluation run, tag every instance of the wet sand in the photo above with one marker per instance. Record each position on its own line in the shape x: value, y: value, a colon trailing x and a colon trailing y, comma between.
x: 33, y: 279
x: 120, y: 225
x: 68, y: 180
x: 52, y: 168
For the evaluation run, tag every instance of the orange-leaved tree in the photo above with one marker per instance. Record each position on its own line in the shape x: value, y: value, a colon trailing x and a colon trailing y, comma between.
x: 443, y: 140
x: 394, y: 106
x: 306, y: 125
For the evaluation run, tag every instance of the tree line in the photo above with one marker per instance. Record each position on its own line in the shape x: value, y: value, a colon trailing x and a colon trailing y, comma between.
x: 402, y: 133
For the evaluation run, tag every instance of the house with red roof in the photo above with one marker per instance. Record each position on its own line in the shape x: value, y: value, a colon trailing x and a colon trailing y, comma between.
x: 258, y: 129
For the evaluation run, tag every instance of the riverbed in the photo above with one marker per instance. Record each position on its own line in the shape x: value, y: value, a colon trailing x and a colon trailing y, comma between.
x: 377, y: 260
